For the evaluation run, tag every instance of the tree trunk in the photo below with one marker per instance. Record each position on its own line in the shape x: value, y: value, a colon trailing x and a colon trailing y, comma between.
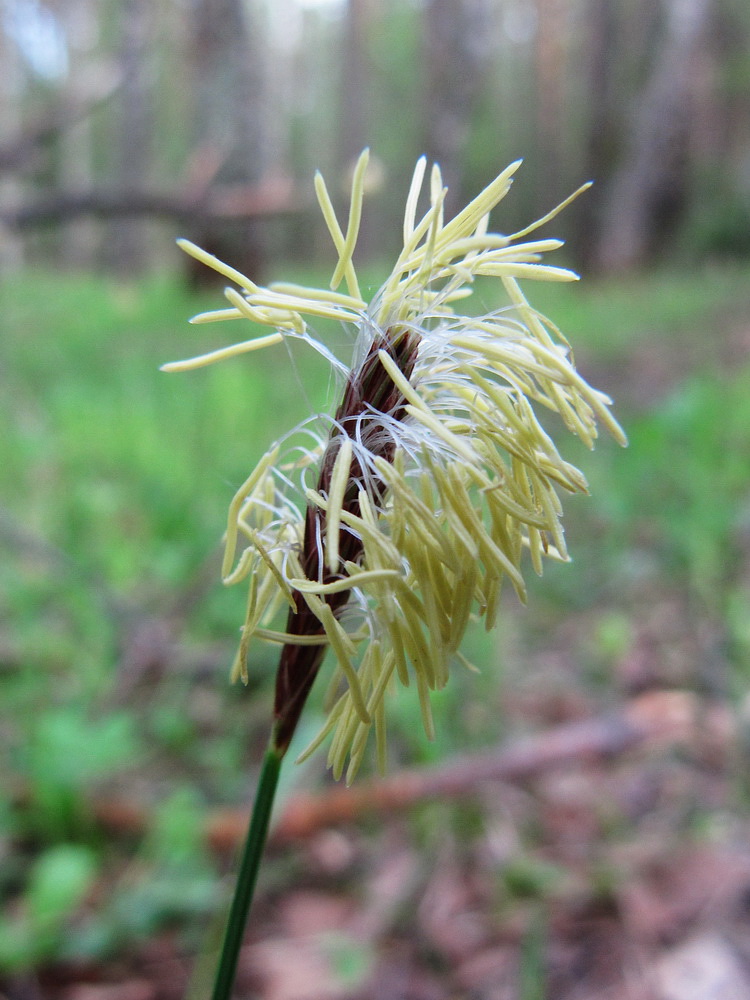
x: 355, y: 81
x: 457, y: 54
x: 601, y: 131
x: 552, y: 42
x: 356, y: 84
x: 11, y: 245
x: 229, y: 118
x: 127, y: 248
x: 649, y: 192
x: 82, y: 237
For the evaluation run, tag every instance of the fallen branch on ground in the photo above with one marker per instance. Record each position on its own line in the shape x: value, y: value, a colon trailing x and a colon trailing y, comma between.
x: 231, y: 202
x: 658, y: 717
x: 667, y: 716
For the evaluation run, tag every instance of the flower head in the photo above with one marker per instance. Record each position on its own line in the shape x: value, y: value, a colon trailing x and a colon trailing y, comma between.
x: 384, y: 528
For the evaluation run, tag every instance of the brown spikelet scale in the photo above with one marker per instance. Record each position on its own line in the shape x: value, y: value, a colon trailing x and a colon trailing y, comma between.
x: 369, y: 395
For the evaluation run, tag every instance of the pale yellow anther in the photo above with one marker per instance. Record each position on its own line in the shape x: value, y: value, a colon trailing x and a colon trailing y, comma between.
x: 352, y: 305
x: 339, y: 480
x: 412, y: 198
x: 532, y: 272
x: 223, y: 353
x: 214, y: 316
x: 361, y: 579
x: 538, y: 223
x: 245, y: 563
x: 238, y: 500
x: 467, y: 220
x: 427, y: 418
x: 344, y: 244
x: 217, y: 265
x: 345, y: 652
x: 285, y: 586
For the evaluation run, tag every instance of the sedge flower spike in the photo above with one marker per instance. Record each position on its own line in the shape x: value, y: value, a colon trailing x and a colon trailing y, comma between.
x: 383, y: 529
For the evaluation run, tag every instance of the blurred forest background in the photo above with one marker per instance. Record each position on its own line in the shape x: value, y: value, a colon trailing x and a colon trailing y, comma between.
x: 579, y: 828
x: 121, y: 122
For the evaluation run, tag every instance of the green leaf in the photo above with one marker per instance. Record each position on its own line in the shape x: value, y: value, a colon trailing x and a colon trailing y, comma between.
x: 59, y: 881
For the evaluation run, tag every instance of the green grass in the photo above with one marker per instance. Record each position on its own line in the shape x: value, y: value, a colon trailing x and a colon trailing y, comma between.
x: 115, y: 480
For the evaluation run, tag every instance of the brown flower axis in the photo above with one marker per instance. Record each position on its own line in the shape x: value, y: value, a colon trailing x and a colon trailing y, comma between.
x: 369, y: 395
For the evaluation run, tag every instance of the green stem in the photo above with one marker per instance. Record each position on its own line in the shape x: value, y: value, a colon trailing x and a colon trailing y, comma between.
x: 251, y: 855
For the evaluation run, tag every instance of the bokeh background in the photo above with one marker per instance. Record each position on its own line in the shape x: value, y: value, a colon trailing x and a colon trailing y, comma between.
x: 579, y: 827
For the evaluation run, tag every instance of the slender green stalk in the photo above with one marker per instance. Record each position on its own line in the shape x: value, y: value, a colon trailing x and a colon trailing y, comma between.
x: 251, y: 855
